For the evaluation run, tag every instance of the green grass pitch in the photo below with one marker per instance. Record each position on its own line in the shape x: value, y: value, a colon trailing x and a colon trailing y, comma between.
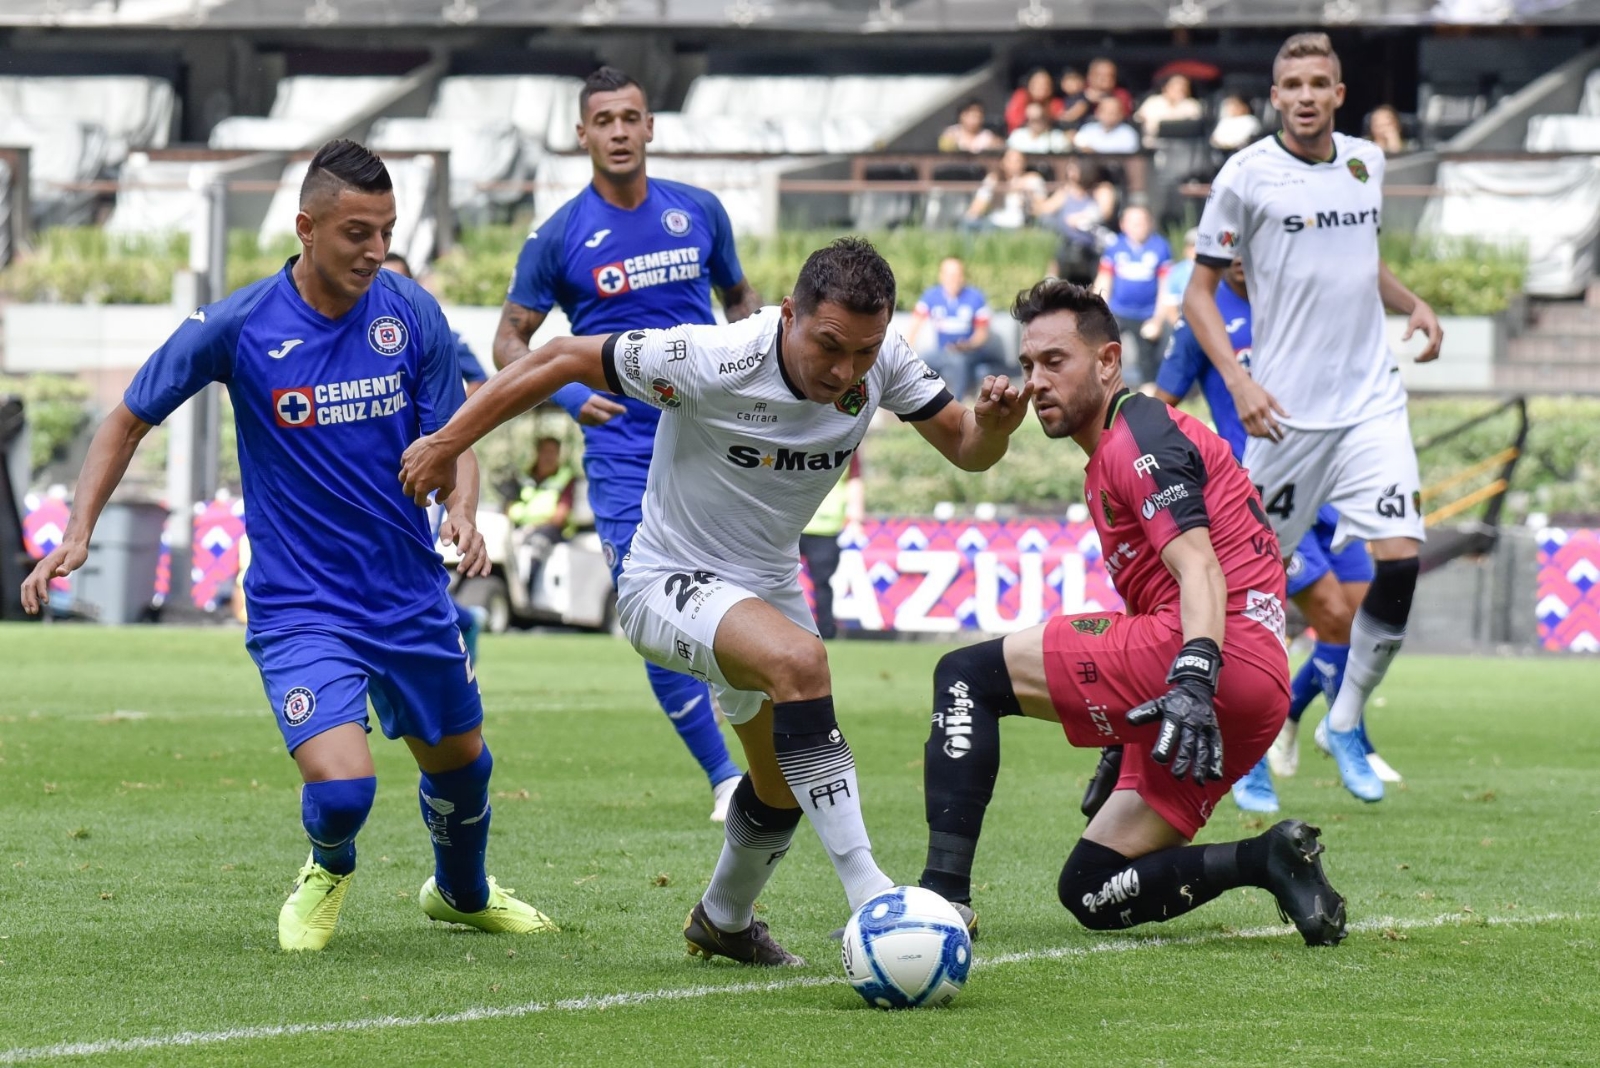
x: 149, y: 830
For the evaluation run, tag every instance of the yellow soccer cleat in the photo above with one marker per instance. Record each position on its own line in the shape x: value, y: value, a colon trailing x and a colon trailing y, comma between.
x: 308, y: 918
x: 504, y: 914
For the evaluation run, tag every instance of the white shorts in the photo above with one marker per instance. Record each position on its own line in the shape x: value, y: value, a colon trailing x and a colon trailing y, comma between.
x: 1367, y: 472
x: 671, y: 615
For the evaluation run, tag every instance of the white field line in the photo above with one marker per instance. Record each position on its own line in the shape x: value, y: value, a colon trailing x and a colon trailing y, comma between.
x: 590, y: 1002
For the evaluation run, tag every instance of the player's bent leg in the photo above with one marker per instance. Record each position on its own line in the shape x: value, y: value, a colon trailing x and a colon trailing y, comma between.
x: 972, y: 690
x: 1328, y: 612
x: 1134, y: 867
x: 336, y: 767
x: 454, y: 799
x: 761, y: 820
x: 762, y: 649
x: 1376, y: 636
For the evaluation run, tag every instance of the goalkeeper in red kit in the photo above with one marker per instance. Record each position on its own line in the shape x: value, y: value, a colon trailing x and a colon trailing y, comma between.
x: 1191, y: 684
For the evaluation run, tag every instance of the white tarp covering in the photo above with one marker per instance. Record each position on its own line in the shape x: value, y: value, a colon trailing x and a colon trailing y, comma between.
x: 747, y: 188
x: 158, y: 196
x: 134, y: 112
x: 1563, y: 133
x: 1590, y: 104
x: 303, y: 111
x: 75, y: 129
x: 490, y: 152
x: 850, y: 113
x: 1550, y: 207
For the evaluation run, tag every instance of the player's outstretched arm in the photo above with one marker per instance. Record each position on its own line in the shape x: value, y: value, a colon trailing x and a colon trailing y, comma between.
x: 975, y: 438
x: 429, y: 464
x: 1190, y: 741
x: 1258, y: 409
x: 113, y: 446
x: 1419, y: 314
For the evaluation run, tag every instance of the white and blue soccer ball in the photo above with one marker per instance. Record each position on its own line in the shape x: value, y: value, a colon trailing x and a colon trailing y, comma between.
x: 905, y: 948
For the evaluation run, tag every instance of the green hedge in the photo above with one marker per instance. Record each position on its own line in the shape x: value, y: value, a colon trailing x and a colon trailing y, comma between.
x: 88, y: 265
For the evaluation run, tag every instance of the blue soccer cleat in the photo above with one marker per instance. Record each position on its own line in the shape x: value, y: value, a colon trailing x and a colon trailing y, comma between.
x: 1254, y: 792
x: 1347, y: 751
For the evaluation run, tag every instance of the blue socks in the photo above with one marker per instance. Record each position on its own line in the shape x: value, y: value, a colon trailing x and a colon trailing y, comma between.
x: 687, y: 702
x: 455, y: 807
x: 332, y: 812
x: 1322, y: 673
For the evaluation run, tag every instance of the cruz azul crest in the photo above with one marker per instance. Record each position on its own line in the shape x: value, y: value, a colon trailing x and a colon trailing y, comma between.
x: 853, y: 399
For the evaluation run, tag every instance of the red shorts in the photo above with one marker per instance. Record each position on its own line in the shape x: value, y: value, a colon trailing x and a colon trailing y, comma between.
x: 1101, y: 665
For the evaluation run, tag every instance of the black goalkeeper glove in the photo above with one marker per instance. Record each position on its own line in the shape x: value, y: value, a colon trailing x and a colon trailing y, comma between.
x: 1189, y: 740
x: 1103, y: 781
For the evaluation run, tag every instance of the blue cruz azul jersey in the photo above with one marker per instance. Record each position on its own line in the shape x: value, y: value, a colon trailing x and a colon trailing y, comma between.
x: 323, y: 409
x: 1186, y: 363
x: 612, y: 269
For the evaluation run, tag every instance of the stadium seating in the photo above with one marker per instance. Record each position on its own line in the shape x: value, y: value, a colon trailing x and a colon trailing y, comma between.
x: 77, y: 129
x: 302, y: 111
x: 796, y: 114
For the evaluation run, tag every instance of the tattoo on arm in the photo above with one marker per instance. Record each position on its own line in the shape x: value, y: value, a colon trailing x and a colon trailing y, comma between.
x: 517, y: 325
x: 740, y: 300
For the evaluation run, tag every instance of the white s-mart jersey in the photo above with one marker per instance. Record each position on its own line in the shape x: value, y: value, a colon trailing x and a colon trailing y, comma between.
x: 1308, y: 233
x: 742, y: 461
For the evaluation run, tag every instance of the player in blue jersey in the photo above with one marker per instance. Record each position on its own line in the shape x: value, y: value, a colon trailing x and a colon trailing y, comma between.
x: 334, y: 367
x: 1327, y: 583
x: 629, y: 252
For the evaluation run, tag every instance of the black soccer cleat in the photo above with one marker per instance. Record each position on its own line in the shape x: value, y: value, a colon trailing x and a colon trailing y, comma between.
x: 753, y: 945
x: 1295, y: 877
x: 1103, y: 781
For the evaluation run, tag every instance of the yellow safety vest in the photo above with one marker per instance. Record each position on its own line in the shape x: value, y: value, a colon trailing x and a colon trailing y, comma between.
x: 539, y: 500
x: 830, y: 517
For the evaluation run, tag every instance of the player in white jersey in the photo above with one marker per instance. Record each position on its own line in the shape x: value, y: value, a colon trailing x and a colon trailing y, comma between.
x: 1322, y: 397
x: 760, y: 417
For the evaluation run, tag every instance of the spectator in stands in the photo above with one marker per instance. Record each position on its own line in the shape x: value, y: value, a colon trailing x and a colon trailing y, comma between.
x: 1041, y: 88
x: 1175, y: 103
x: 1102, y: 82
x: 970, y: 132
x: 1005, y: 199
x: 1385, y: 131
x: 1073, y: 212
x: 1037, y: 135
x: 1170, y: 308
x: 1237, y: 125
x: 963, y: 350
x: 1075, y: 106
x: 1131, y: 270
x: 1109, y: 132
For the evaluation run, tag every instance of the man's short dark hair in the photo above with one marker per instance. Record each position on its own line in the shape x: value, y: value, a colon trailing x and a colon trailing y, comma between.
x: 605, y: 80
x: 1094, y: 320
x: 849, y: 273
x: 395, y: 257
x: 343, y: 163
x: 970, y: 103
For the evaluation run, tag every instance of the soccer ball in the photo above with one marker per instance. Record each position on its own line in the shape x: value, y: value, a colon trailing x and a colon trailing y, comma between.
x: 907, y: 947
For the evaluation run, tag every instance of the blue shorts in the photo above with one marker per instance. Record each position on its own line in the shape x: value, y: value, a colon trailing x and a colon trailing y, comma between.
x: 616, y: 488
x: 416, y: 673
x: 616, y: 538
x: 1314, y: 557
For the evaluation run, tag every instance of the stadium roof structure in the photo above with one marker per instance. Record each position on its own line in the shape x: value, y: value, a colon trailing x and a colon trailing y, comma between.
x: 828, y: 16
